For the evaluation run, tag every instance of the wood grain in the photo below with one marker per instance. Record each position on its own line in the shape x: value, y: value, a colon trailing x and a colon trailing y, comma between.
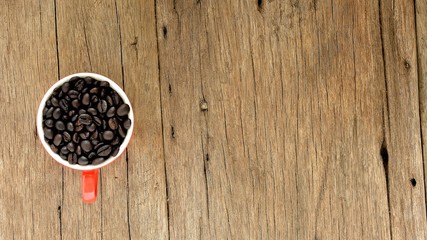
x: 403, y: 139
x: 30, y: 191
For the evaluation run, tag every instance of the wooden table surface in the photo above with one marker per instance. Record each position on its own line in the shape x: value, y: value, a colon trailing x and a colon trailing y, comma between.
x: 254, y: 119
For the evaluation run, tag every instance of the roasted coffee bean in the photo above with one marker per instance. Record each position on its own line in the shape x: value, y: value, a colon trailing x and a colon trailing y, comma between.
x: 74, y: 118
x: 86, y: 146
x: 113, y: 123
x: 54, y: 148
x: 94, y: 135
x: 82, y: 111
x: 115, y: 141
x: 111, y: 111
x: 109, y: 100
x: 49, y: 123
x: 75, y: 103
x: 126, y: 124
x: 89, y: 80
x: 91, y: 155
x: 102, y: 93
x: 94, y: 90
x: 123, y: 110
x: 78, y: 127
x: 63, y: 104
x: 66, y: 137
x: 49, y: 112
x: 122, y: 133
x: 70, y: 127
x: 45, y: 111
x: 67, y: 98
x: 91, y: 127
x: 104, y: 84
x: 76, y: 138
x: 71, y: 113
x: 95, y: 142
x: 98, y: 146
x: 104, y: 125
x: 64, y: 150
x: 73, y: 94
x: 56, y: 113
x: 63, y: 156
x: 115, y: 151
x: 85, y: 119
x: 60, y: 126
x: 57, y: 140
x: 78, y: 150
x: 108, y: 135
x: 65, y: 87
x: 97, y: 121
x: 97, y: 161
x: 94, y: 99
x: 102, y: 106
x: 84, y: 135
x: 79, y: 85
x: 64, y: 117
x: 85, y: 90
x: 60, y: 94
x: 71, y: 147
x: 54, y: 102
x: 86, y: 99
x: 72, y: 158
x: 104, y: 151
x: 48, y: 103
x: 116, y: 98
x: 92, y: 111
x: 83, y: 160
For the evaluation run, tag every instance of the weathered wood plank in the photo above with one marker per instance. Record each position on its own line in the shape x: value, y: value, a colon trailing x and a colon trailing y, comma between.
x: 30, y: 180
x: 89, y: 41
x: 146, y: 170
x: 403, y: 141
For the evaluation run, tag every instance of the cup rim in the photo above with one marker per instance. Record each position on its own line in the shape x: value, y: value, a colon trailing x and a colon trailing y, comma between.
x: 39, y: 123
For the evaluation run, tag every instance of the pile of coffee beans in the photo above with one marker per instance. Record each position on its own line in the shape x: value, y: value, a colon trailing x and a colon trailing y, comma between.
x: 85, y: 121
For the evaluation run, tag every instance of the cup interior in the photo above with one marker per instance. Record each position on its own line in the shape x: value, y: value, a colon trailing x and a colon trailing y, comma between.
x: 40, y: 132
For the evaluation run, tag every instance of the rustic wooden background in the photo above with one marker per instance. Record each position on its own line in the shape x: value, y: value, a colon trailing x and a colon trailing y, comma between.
x: 255, y: 119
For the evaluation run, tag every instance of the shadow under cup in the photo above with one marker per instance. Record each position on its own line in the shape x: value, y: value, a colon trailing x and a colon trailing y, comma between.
x: 89, y: 172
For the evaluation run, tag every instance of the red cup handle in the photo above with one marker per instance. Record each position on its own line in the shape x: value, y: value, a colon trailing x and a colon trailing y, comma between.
x: 89, y: 185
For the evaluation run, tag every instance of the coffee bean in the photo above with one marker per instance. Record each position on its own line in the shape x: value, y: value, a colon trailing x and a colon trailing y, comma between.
x: 75, y: 103
x: 102, y: 106
x: 115, y: 151
x: 56, y: 113
x: 123, y: 110
x: 91, y: 127
x: 108, y: 135
x: 111, y: 111
x: 113, y: 123
x: 65, y: 87
x: 60, y: 94
x: 83, y: 160
x: 74, y: 118
x: 104, y: 151
x: 85, y: 119
x: 116, y: 98
x: 94, y: 90
x: 73, y: 94
x: 48, y: 103
x: 98, y: 146
x: 71, y: 113
x: 86, y: 99
x: 85, y: 90
x: 92, y: 111
x: 55, y: 102
x: 71, y: 147
x: 84, y: 135
x: 102, y: 93
x: 94, y: 135
x: 64, y: 150
x: 82, y: 111
x: 109, y: 100
x: 73, y: 79
x: 54, y: 148
x: 72, y: 158
x: 86, y: 146
x: 97, y: 121
x: 104, y: 124
x: 115, y: 141
x: 57, y: 139
x: 67, y: 98
x: 64, y: 117
x: 66, y: 137
x: 122, y: 133
x: 91, y: 155
x: 79, y: 85
x: 78, y: 127
x: 94, y: 99
x: 63, y: 156
x: 104, y: 84
x: 126, y: 124
x: 76, y: 138
x: 95, y: 142
x: 78, y: 150
x: 60, y: 126
x: 70, y: 127
x: 97, y: 161
x: 63, y: 104
x: 49, y: 112
x: 89, y: 80
x: 45, y: 111
x: 48, y: 123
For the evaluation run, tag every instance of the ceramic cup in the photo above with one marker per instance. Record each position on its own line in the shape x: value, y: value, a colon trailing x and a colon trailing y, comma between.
x: 89, y: 172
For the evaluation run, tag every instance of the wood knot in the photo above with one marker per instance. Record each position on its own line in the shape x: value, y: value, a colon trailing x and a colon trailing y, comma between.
x: 413, y: 182
x: 204, y: 106
x: 407, y: 65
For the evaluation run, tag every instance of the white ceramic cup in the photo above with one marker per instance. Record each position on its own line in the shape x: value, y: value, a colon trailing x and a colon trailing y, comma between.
x: 89, y: 172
